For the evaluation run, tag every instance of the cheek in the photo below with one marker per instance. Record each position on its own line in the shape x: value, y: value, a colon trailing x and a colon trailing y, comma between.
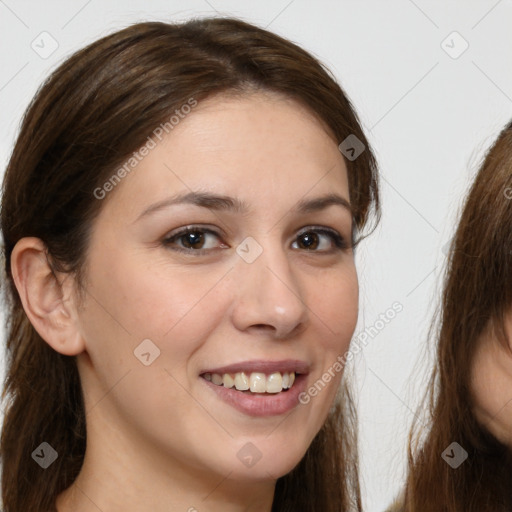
x: 491, y: 387
x: 130, y: 302
x: 334, y: 315
x: 334, y: 307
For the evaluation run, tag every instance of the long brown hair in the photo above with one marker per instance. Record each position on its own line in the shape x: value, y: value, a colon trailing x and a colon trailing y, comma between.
x: 476, y: 295
x: 87, y: 119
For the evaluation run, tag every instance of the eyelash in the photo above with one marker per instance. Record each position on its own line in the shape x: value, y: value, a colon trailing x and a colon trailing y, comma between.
x: 339, y: 241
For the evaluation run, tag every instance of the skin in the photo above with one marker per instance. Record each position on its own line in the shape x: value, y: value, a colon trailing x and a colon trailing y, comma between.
x: 491, y: 381
x: 158, y: 439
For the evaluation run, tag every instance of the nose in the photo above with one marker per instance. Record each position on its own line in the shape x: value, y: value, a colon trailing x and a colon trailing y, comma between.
x: 269, y: 296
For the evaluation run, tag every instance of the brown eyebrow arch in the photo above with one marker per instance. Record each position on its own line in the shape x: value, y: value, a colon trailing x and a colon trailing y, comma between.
x: 227, y: 203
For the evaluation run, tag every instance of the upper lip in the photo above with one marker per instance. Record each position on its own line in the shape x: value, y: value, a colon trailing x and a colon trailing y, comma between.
x: 262, y: 366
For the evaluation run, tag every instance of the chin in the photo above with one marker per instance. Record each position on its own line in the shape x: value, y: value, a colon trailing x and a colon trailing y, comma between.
x: 263, y: 460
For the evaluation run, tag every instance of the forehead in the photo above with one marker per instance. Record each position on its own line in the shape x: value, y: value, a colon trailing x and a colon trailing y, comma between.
x: 261, y: 147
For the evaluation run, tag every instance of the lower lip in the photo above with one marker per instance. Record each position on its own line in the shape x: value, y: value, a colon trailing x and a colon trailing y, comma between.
x: 261, y: 404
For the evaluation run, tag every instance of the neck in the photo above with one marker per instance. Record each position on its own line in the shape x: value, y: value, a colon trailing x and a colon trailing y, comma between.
x: 120, y: 473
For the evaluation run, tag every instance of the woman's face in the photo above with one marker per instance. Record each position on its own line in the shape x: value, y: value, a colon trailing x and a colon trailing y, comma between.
x: 492, y: 383
x: 170, y: 320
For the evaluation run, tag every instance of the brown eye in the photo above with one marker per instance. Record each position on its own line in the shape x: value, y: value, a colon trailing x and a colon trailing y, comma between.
x: 192, y: 240
x: 312, y: 238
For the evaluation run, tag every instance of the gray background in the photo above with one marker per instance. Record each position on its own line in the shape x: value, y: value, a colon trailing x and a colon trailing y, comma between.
x: 430, y: 112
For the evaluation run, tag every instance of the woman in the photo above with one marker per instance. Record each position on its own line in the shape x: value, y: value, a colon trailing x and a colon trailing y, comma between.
x: 179, y: 226
x: 464, y: 462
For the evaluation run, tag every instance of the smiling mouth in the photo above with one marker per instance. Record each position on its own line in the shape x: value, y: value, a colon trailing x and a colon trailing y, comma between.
x: 255, y: 382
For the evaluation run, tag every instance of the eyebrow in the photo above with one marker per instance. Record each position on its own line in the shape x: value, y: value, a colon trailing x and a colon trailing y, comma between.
x: 233, y: 204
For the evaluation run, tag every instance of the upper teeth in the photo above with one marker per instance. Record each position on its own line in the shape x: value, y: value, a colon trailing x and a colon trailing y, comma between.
x: 256, y: 382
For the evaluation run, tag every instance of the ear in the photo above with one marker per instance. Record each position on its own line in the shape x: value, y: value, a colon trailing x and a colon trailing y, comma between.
x: 47, y: 297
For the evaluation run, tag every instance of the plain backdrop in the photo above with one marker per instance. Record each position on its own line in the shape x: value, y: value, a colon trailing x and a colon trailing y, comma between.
x: 432, y: 83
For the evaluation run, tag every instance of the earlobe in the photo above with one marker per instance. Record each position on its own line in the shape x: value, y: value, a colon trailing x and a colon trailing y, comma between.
x: 47, y: 300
